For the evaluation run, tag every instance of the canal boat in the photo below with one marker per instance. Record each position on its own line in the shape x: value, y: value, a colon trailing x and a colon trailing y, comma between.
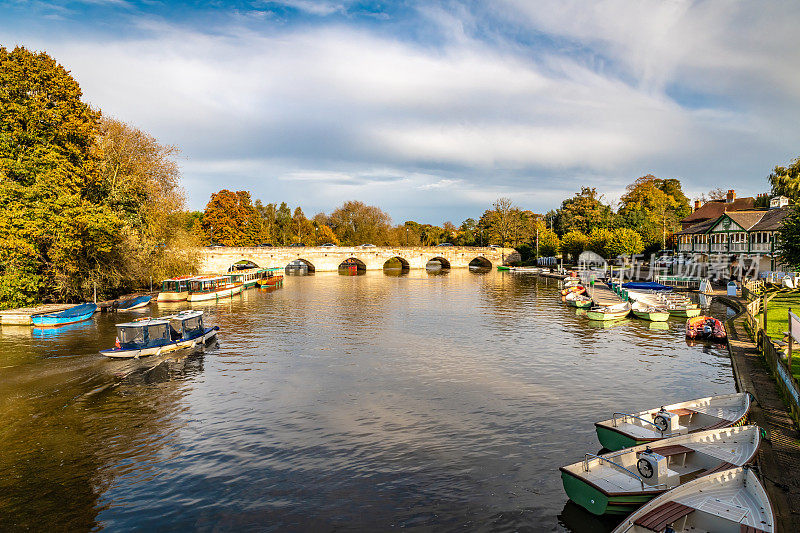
x: 249, y: 277
x: 174, y: 289
x: 730, y: 501
x: 134, y: 303
x: 619, y: 482
x: 272, y: 280
x: 631, y: 429
x: 155, y: 336
x: 645, y: 312
x: 68, y: 316
x: 212, y: 288
x: 705, y: 328
x: 609, y: 312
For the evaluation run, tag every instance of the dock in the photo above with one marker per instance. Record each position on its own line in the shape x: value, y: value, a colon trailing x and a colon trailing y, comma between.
x: 602, y: 295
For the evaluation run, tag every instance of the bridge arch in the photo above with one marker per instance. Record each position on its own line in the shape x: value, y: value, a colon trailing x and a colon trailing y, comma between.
x: 396, y: 265
x: 480, y: 262
x: 242, y: 264
x: 352, y: 266
x: 437, y: 263
x: 300, y: 266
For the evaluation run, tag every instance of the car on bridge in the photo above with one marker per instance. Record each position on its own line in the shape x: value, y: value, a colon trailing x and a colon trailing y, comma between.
x: 445, y: 244
x: 297, y: 245
x: 328, y: 245
x: 367, y: 246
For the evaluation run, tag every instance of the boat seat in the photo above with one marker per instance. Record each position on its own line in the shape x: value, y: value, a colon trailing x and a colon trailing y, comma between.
x: 681, y: 411
x: 718, y: 425
x: 744, y: 528
x: 719, y: 468
x: 675, y: 449
x: 661, y: 516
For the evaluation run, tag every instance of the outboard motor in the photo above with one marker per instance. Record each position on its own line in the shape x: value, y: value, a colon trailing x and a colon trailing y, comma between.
x: 665, y: 421
x: 707, y: 330
x: 652, y: 467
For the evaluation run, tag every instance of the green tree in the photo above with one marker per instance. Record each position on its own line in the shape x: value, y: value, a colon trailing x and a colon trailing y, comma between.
x: 584, y: 212
x: 599, y: 240
x: 785, y: 181
x: 788, y: 239
x: 357, y: 223
x: 624, y: 241
x: 653, y: 207
x: 54, y: 240
x: 500, y: 222
x: 573, y: 243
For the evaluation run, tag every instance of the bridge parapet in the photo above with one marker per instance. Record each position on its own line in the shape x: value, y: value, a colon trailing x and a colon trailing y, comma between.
x: 219, y: 259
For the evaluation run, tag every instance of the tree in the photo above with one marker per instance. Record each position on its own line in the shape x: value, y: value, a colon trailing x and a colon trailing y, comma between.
x: 500, y: 222
x: 584, y: 212
x: 357, y: 223
x: 599, y: 240
x: 653, y: 207
x: 785, y: 181
x: 788, y: 239
x: 302, y: 228
x: 53, y: 239
x: 624, y: 241
x: 573, y: 243
x: 549, y: 242
x: 325, y: 235
x: 230, y: 218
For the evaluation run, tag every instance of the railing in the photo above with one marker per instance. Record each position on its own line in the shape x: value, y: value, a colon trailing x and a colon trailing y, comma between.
x: 685, y: 247
x: 738, y: 247
x: 609, y: 461
x: 628, y: 415
x: 760, y: 247
x: 719, y: 247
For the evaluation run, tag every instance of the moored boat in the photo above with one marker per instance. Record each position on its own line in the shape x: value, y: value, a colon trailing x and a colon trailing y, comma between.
x: 609, y: 312
x: 133, y: 303
x: 174, y: 289
x: 503, y: 267
x: 271, y: 281
x: 579, y: 300
x: 249, y: 277
x: 212, y: 288
x: 631, y: 429
x: 621, y: 481
x: 705, y: 328
x: 654, y: 314
x: 68, y: 316
x: 729, y: 501
x: 154, y: 336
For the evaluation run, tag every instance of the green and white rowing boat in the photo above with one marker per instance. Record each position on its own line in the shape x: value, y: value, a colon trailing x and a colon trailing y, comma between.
x: 620, y: 482
x: 653, y: 314
x: 609, y: 312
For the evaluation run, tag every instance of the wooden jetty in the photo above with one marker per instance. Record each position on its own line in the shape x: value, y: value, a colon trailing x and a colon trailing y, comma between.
x: 602, y: 295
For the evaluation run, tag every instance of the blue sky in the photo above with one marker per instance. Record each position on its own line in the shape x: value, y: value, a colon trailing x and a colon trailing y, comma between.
x: 430, y: 109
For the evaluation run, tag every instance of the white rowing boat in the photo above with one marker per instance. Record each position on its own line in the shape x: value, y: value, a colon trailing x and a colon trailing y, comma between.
x: 731, y: 501
x: 630, y: 429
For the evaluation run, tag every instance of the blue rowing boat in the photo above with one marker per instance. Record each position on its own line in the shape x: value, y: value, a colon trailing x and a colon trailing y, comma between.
x: 133, y: 303
x: 68, y: 316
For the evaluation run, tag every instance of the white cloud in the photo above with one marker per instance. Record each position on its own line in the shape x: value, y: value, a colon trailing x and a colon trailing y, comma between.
x: 317, y: 113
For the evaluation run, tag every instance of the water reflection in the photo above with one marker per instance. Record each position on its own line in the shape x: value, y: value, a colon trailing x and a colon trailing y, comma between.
x: 366, y: 402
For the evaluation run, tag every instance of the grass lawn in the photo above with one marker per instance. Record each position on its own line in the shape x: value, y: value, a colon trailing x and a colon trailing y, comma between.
x: 777, y: 317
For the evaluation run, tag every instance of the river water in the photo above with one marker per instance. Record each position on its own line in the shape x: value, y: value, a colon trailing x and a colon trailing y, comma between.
x: 368, y: 402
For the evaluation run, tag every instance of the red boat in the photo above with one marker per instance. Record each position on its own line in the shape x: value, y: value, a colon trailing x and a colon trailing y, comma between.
x: 705, y: 328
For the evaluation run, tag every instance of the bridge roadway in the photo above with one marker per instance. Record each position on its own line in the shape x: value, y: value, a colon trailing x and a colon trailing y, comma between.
x: 219, y: 259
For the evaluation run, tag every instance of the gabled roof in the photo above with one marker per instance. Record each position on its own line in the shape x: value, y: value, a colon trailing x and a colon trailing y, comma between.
x: 715, y: 208
x: 747, y: 219
x: 772, y: 219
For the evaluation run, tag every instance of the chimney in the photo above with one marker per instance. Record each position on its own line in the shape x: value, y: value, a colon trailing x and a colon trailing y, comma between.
x: 731, y: 196
x: 697, y: 205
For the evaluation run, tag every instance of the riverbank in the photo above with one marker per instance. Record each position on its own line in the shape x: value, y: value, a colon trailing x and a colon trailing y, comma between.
x: 22, y: 315
x: 779, y: 456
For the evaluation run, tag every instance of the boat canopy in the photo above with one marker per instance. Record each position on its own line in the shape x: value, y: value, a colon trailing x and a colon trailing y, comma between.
x: 646, y: 285
x: 144, y: 333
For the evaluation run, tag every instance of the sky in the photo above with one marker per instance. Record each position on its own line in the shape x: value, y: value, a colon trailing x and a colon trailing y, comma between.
x: 434, y: 109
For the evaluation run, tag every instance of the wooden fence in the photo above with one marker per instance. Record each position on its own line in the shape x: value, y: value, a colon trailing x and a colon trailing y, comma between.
x: 778, y: 362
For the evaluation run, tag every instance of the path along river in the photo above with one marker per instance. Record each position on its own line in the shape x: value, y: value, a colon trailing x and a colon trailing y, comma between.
x: 369, y: 402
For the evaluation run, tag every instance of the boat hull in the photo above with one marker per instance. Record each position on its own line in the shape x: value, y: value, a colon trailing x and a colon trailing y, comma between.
x: 216, y: 295
x: 685, y: 313
x: 52, y: 321
x: 614, y: 440
x: 605, y: 316
x: 597, y: 502
x: 172, y: 296
x: 209, y: 334
x: 652, y: 316
x: 580, y: 304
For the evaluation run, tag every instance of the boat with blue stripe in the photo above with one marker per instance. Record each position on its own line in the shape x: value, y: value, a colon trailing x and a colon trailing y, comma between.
x: 68, y: 316
x: 155, y: 336
x: 134, y: 303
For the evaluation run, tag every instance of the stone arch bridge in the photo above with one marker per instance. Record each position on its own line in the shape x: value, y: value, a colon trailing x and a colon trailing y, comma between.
x: 219, y: 259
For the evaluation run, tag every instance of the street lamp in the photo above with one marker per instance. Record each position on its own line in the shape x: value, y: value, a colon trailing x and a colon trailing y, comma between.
x: 406, y: 235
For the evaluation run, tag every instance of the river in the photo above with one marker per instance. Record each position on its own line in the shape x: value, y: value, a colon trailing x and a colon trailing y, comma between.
x: 368, y: 402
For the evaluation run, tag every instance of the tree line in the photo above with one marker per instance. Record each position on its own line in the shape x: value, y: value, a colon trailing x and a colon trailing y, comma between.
x: 86, y: 201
